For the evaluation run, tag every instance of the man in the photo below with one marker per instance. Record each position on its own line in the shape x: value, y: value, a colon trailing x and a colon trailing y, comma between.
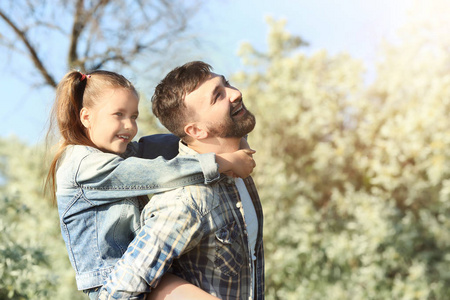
x: 209, y: 235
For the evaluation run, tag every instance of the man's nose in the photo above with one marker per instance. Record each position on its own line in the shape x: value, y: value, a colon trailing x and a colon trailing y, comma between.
x: 235, y: 95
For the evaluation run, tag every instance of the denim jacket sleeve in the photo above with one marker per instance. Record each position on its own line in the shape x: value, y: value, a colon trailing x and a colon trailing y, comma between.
x: 166, y: 145
x: 98, y: 172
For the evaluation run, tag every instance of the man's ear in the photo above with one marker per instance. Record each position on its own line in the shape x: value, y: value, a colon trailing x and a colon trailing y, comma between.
x: 196, y: 131
x: 85, y: 117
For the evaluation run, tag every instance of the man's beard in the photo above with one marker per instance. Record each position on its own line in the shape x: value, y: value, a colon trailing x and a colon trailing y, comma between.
x: 231, y: 128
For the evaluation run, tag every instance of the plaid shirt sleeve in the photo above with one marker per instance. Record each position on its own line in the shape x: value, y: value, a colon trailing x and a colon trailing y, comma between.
x: 171, y: 226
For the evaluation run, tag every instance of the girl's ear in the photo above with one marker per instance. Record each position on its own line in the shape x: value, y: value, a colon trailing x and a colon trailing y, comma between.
x: 195, y: 131
x: 85, y: 117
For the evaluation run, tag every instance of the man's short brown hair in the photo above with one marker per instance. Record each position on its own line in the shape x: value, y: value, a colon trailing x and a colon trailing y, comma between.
x: 168, y: 100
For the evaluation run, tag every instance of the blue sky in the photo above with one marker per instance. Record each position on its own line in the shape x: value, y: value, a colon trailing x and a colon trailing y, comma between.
x: 352, y: 26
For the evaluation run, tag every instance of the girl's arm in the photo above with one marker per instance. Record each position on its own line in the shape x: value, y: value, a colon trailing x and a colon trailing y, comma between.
x: 237, y: 164
x: 95, y: 171
x: 98, y: 171
x: 173, y: 287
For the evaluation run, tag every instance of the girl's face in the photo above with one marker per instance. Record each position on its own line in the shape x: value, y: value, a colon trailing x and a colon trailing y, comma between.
x: 111, y: 123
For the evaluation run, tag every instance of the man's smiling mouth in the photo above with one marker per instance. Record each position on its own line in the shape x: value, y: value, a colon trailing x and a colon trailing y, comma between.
x: 237, y: 110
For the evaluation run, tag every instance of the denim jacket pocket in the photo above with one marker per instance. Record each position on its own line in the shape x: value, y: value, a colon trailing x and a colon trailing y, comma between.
x: 128, y: 224
x: 229, y: 251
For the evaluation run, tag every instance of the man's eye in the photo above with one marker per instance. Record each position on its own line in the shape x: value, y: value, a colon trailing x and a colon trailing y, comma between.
x: 218, y: 97
x: 134, y: 117
x: 119, y: 114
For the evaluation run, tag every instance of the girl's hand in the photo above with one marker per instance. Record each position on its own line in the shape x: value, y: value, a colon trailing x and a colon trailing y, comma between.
x: 236, y: 164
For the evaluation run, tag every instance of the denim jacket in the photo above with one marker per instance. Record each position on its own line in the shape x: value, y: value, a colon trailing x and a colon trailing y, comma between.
x: 97, y: 196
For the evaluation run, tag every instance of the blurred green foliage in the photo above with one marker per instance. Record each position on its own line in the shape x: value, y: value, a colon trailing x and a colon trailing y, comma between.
x: 354, y: 178
x: 33, y: 258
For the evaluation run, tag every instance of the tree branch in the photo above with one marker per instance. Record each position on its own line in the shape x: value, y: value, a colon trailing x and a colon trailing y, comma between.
x: 81, y: 18
x: 31, y: 50
x: 100, y: 33
x: 77, y: 28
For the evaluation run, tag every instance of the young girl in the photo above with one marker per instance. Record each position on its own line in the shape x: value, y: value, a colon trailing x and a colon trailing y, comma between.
x: 96, y: 182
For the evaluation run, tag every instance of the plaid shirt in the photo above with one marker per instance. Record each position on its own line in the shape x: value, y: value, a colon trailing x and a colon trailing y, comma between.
x: 197, y: 232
